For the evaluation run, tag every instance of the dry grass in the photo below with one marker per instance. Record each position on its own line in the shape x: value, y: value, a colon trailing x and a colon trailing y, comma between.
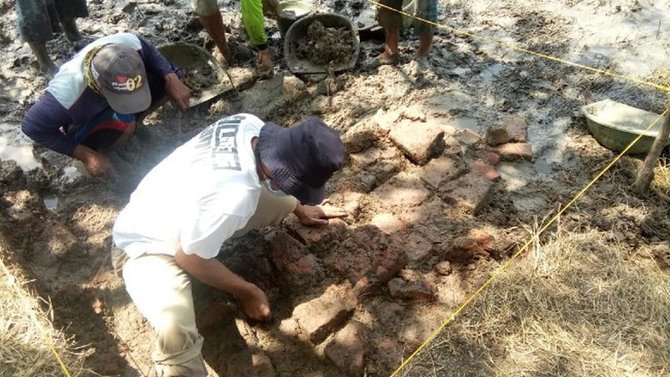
x: 26, y: 334
x: 661, y: 181
x: 576, y: 306
x: 661, y: 76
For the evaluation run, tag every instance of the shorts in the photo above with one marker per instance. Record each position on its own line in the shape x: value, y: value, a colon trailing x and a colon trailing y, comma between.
x: 103, y: 130
x: 39, y: 19
x: 205, y: 7
x: 424, y: 9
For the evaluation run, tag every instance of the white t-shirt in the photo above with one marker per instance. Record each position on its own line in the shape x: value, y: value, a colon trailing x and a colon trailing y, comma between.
x: 198, y: 196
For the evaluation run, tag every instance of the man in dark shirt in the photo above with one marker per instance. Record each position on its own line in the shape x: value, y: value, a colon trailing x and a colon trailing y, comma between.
x: 94, y: 100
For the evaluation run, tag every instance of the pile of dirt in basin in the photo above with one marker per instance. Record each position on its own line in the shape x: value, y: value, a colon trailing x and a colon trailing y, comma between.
x: 199, y: 79
x: 323, y: 45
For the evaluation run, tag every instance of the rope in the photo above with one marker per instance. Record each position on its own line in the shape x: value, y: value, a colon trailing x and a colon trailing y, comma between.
x: 523, y: 248
x: 522, y: 49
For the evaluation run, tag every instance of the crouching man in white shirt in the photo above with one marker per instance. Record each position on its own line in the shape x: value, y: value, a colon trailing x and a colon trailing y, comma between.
x: 238, y: 174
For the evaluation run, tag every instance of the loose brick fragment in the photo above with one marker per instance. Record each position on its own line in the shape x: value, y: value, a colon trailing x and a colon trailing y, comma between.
x: 318, y: 318
x: 470, y: 192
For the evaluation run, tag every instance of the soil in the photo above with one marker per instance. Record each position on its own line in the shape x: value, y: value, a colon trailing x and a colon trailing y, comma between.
x: 407, y: 252
x: 326, y: 45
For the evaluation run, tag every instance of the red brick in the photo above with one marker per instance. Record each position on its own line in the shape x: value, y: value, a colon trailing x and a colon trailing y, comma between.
x: 363, y: 159
x: 416, y: 246
x: 427, y: 213
x: 469, y: 137
x: 515, y: 151
x: 285, y: 250
x: 470, y: 192
x: 418, y: 291
x: 367, y: 257
x: 464, y: 250
x: 298, y: 268
x: 318, y: 318
x: 496, y: 136
x: 517, y: 128
x: 442, y: 169
x: 347, y: 349
x: 311, y: 235
x: 388, y: 223
x: 415, y: 113
x: 482, y: 237
x: 489, y: 157
x: 305, y: 272
x: 485, y: 170
x: 402, y: 191
x: 418, y: 140
x: 362, y: 135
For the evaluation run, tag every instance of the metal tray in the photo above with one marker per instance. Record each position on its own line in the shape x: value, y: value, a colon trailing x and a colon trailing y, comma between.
x: 615, y: 125
x: 299, y: 29
x: 193, y: 58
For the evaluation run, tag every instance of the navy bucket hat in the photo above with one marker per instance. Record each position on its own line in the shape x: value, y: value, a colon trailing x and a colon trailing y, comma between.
x: 302, y: 158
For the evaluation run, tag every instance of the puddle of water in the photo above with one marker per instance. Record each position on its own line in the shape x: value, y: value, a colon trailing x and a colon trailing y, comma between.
x: 466, y: 123
x: 74, y: 171
x: 512, y: 175
x: 460, y: 71
x: 51, y: 202
x: 14, y: 145
x: 548, y: 132
x: 489, y: 73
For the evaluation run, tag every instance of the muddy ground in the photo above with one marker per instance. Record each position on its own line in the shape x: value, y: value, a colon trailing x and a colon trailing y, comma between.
x: 435, y: 199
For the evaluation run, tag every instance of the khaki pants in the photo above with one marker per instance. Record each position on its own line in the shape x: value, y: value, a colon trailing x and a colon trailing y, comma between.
x: 161, y: 290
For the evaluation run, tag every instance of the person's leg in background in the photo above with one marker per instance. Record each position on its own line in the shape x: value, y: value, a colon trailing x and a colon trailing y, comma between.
x: 427, y: 10
x: 254, y: 23
x: 161, y: 290
x: 210, y: 17
x: 392, y: 23
x: 68, y: 11
x: 40, y: 19
x: 36, y: 29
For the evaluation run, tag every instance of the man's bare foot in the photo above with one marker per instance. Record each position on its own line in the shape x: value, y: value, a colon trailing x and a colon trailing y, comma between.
x: 264, y: 66
x: 384, y: 59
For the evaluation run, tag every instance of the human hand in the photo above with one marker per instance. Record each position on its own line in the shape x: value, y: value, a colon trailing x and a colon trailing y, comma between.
x: 317, y: 215
x: 100, y: 166
x: 255, y: 303
x: 178, y: 93
x: 96, y: 164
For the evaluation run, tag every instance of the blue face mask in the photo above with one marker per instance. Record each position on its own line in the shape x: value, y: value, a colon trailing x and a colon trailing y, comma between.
x: 268, y: 185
